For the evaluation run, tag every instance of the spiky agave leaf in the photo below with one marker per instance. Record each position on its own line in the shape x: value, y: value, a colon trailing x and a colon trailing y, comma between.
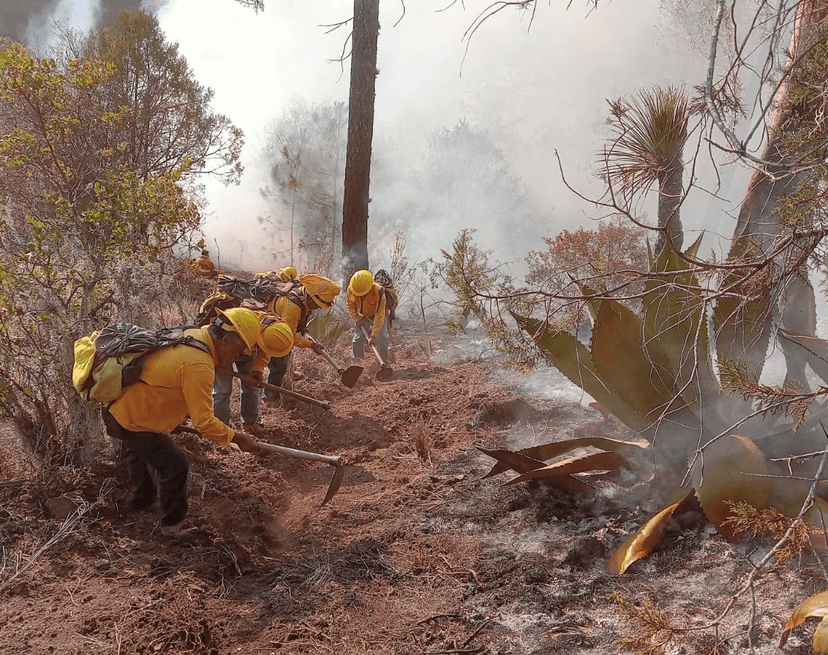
x: 730, y: 469
x: 742, y: 314
x: 674, y: 316
x: 574, y: 360
x: 635, y: 369
x: 814, y: 349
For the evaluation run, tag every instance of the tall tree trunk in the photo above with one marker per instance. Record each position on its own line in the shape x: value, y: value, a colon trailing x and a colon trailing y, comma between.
x: 758, y: 225
x: 360, y: 134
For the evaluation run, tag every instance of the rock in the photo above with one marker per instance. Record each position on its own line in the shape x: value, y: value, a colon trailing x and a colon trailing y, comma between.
x: 61, y: 507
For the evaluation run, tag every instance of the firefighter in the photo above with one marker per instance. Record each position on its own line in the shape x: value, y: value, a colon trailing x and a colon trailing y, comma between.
x: 275, y: 340
x: 315, y: 292
x: 176, y: 381
x: 367, y: 306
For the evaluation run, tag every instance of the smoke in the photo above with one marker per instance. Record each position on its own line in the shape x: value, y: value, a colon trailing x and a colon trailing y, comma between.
x: 32, y: 22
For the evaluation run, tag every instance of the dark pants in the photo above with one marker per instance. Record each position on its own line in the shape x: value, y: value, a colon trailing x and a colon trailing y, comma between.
x: 148, y: 452
x: 276, y: 369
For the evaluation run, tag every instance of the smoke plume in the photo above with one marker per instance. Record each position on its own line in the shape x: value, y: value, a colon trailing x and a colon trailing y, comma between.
x: 23, y: 20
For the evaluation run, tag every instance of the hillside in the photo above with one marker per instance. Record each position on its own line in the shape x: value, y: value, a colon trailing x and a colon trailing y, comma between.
x: 418, y: 553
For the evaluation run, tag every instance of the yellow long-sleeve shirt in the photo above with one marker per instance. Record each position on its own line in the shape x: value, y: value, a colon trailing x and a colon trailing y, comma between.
x: 371, y: 305
x: 175, y: 381
x: 292, y: 314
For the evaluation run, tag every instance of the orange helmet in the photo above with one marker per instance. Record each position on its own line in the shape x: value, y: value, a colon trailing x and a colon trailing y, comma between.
x: 322, y: 290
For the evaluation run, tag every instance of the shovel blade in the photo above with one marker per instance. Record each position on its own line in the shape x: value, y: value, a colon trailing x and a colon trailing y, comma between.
x: 350, y: 375
x: 385, y: 373
x: 336, y: 482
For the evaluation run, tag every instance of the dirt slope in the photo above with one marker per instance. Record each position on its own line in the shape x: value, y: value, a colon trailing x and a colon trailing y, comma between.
x: 418, y: 553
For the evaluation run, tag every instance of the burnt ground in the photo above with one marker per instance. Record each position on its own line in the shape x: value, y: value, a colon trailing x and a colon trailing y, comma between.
x: 418, y: 553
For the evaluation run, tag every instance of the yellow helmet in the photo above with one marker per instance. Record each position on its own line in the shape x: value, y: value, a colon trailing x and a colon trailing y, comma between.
x: 287, y: 274
x: 322, y: 290
x: 244, y: 323
x: 276, y: 339
x: 361, y: 282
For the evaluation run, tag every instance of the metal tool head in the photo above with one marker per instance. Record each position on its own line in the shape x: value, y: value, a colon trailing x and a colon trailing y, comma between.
x: 385, y: 373
x: 336, y: 481
x: 350, y: 375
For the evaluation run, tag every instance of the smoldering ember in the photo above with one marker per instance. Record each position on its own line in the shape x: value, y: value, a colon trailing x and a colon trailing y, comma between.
x: 460, y: 328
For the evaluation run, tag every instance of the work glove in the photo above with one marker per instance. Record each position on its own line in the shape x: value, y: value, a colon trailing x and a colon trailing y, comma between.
x: 257, y: 376
x: 366, y: 324
x: 317, y: 347
x: 246, y: 442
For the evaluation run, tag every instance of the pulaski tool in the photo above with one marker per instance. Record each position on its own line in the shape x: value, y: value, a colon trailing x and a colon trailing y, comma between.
x: 335, y: 460
x: 324, y: 404
x: 348, y: 376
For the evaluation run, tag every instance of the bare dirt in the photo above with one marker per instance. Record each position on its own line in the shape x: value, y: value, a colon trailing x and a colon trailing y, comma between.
x: 418, y: 553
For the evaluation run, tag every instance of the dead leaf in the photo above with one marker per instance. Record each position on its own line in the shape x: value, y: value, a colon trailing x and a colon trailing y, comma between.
x: 643, y: 541
x: 816, y: 605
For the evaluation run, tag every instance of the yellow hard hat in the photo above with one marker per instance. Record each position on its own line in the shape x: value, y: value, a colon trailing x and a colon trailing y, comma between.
x: 287, y: 274
x: 276, y: 339
x: 361, y: 282
x: 244, y: 323
x: 322, y: 290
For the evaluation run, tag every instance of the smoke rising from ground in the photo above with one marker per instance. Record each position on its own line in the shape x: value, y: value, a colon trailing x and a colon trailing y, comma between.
x: 539, y: 91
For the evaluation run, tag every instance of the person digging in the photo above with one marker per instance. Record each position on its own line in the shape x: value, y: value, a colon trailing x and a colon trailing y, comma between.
x: 315, y: 292
x: 275, y: 341
x: 176, y: 381
x: 366, y: 305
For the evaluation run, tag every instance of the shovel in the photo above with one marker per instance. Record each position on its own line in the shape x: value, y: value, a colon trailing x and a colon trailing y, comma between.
x: 348, y: 376
x: 335, y: 461
x: 324, y: 404
x: 386, y: 372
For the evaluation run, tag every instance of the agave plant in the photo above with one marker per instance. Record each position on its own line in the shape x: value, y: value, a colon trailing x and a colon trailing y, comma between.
x: 656, y: 374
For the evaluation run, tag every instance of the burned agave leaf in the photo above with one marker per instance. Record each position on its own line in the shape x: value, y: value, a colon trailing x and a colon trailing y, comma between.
x: 821, y: 638
x: 815, y: 606
x: 507, y: 459
x: 644, y: 540
x: 558, y: 448
x: 604, y: 461
x: 551, y: 450
x: 730, y: 469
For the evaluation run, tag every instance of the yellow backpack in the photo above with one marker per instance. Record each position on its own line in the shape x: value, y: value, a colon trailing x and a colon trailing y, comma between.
x: 109, y: 360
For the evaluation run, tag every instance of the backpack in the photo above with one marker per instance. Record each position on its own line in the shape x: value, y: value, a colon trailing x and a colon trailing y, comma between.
x: 392, y: 300
x: 108, y: 361
x: 251, y: 294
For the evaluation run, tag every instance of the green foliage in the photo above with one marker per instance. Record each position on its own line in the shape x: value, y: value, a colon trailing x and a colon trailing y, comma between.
x: 85, y: 238
x: 163, y: 118
x: 468, y: 272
